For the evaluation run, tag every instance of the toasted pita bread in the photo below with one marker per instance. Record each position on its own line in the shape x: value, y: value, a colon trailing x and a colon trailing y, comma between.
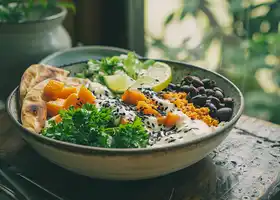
x: 36, y: 74
x: 34, y: 109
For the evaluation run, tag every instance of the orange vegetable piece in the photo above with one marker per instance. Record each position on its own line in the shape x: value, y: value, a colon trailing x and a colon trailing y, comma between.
x: 72, y: 100
x: 86, y: 96
x: 57, y: 118
x: 146, y: 108
x: 133, y: 97
x: 171, y: 119
x: 124, y: 121
x: 53, y: 88
x: 66, y: 91
x: 53, y: 107
x: 161, y: 120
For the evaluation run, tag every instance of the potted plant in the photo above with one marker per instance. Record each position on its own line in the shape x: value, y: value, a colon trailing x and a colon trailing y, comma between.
x: 29, y: 31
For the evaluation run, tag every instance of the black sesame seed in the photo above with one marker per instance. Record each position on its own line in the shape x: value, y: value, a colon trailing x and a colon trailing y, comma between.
x: 172, y: 140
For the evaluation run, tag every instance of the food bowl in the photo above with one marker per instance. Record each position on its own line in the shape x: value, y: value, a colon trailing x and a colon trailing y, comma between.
x: 132, y: 164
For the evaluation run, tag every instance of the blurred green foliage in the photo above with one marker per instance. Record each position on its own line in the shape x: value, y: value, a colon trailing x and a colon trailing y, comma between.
x: 16, y: 11
x: 245, y: 51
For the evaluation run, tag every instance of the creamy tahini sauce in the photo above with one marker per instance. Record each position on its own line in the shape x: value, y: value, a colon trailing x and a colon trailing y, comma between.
x: 185, y: 129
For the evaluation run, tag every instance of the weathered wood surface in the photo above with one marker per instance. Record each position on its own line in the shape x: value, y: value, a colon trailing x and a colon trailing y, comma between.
x: 245, y: 166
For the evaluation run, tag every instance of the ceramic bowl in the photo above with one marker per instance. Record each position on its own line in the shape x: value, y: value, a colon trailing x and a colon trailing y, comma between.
x: 132, y: 164
x: 78, y: 54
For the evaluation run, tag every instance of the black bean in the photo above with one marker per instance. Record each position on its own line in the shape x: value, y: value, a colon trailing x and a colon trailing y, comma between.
x: 218, y: 89
x: 206, y: 82
x: 172, y: 86
x: 204, y: 95
x: 199, y: 100
x: 224, y: 114
x: 187, y: 80
x: 185, y: 88
x: 189, y: 98
x: 201, y: 90
x: 178, y: 86
x: 219, y: 95
x: 209, y: 84
x: 193, y: 91
x: 221, y: 105
x: 212, y: 107
x: 197, y: 82
x: 214, y: 100
x: 209, y: 92
x: 228, y: 102
x: 212, y: 84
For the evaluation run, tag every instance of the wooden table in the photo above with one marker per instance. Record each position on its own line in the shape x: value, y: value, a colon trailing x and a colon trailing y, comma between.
x: 245, y: 166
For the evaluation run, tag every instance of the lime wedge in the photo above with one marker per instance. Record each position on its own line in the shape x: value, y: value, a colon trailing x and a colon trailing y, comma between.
x: 157, y: 77
x: 144, y: 82
x: 118, y: 83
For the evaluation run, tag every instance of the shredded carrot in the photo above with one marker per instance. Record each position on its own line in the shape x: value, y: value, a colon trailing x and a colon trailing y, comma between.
x: 179, y: 99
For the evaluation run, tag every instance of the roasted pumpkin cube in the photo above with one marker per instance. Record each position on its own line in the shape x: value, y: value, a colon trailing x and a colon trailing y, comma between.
x: 53, y: 107
x: 133, y: 97
x: 72, y: 100
x: 57, y: 118
x: 171, y: 119
x: 161, y: 120
x: 52, y: 89
x: 86, y: 96
x: 66, y: 91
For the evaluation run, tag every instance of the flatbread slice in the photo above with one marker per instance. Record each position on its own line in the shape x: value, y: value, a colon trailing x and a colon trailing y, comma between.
x: 36, y: 74
x: 34, y: 109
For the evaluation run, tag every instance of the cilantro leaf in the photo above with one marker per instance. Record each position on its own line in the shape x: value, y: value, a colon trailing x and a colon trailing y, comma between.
x: 129, y: 63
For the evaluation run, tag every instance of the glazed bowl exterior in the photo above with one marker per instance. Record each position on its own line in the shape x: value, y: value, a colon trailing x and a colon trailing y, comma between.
x: 78, y: 54
x: 132, y: 164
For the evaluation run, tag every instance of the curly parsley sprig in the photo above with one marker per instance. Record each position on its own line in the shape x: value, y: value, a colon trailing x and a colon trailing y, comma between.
x: 89, y: 126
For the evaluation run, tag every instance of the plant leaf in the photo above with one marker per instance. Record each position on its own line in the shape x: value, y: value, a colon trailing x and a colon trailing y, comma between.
x: 68, y: 5
x: 183, y: 14
x: 169, y: 18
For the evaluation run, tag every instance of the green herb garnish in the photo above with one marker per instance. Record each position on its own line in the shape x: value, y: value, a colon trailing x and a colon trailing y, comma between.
x: 93, y: 127
x: 130, y: 64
